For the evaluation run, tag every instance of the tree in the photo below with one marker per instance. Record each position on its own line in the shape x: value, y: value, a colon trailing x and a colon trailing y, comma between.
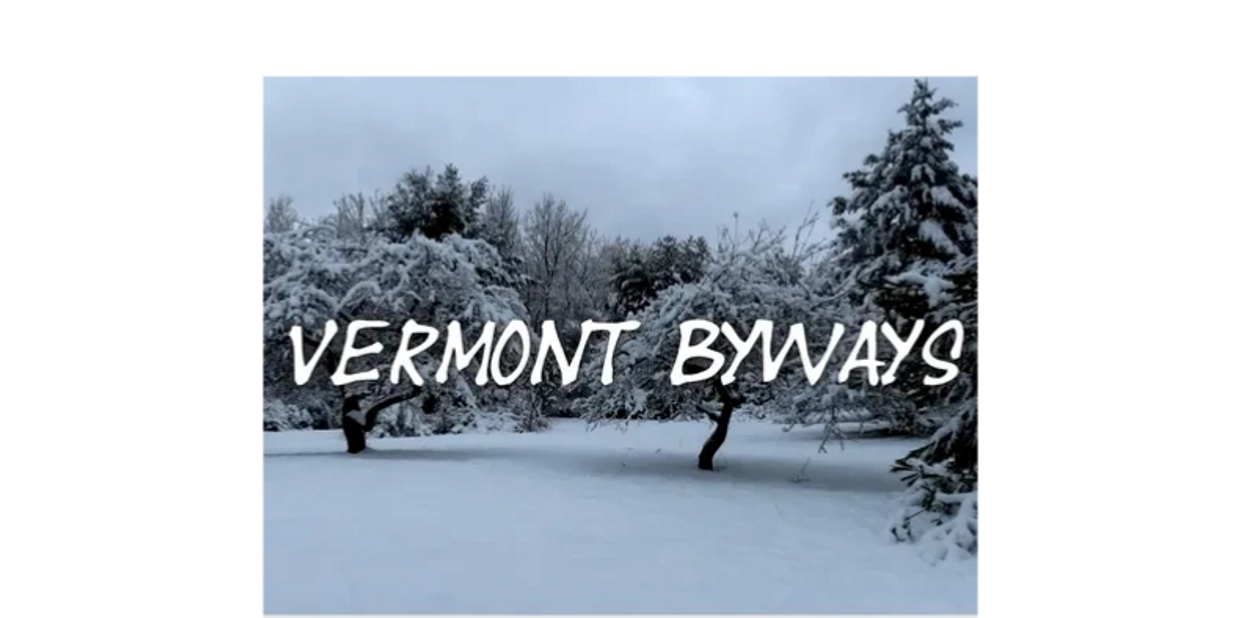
x: 940, y: 507
x: 587, y: 278
x: 435, y: 206
x: 312, y: 277
x: 907, y: 251
x: 640, y: 272
x: 557, y: 250
x: 280, y: 215
x: 740, y: 285
x: 633, y: 284
x: 500, y: 224
x: 911, y: 217
x: 563, y: 282
x: 941, y: 501
x: 357, y: 218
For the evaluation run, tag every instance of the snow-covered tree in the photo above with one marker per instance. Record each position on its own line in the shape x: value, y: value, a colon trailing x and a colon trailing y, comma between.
x: 746, y: 280
x: 632, y: 282
x: 907, y: 251
x: 911, y: 218
x: 640, y: 272
x: 940, y: 505
x: 435, y: 205
x: 564, y: 282
x: 312, y: 277
x: 939, y: 508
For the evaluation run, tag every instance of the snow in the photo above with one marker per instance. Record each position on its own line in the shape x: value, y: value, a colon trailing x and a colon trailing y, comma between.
x: 942, y: 195
x: 607, y: 521
x: 933, y: 232
x: 935, y: 287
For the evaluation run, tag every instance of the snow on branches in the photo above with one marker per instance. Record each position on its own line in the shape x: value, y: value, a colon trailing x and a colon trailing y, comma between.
x: 904, y: 236
x: 939, y: 508
x: 312, y: 278
x: 911, y: 213
x: 748, y: 281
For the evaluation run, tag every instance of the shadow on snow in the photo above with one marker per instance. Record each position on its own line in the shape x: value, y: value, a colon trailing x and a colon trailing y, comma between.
x: 822, y: 472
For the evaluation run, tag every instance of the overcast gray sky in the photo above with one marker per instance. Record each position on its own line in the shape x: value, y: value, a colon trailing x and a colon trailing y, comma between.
x: 645, y: 156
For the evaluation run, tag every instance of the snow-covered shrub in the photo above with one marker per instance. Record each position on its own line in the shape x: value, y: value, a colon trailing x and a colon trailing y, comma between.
x: 403, y: 420
x: 280, y: 416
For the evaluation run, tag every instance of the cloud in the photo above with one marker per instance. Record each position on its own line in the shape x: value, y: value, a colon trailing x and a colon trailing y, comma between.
x: 646, y: 156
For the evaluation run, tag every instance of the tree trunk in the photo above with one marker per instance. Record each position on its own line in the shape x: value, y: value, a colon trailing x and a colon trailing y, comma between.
x: 354, y: 435
x: 354, y: 430
x: 706, y: 459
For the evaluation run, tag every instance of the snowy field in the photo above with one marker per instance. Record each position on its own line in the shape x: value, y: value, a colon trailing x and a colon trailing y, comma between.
x: 570, y: 521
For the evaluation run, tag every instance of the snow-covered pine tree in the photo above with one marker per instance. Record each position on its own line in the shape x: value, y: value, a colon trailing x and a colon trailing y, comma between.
x: 632, y: 285
x: 454, y: 205
x: 435, y: 206
x: 911, y: 217
x: 940, y: 504
x: 640, y: 272
x: 940, y: 507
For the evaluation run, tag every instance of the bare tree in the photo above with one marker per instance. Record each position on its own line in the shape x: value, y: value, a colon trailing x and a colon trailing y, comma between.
x: 591, y: 277
x: 280, y: 215
x: 350, y: 216
x: 555, y: 246
x: 499, y: 224
x: 353, y: 219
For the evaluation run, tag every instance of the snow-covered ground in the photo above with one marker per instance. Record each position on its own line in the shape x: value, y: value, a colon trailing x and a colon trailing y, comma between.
x: 570, y: 521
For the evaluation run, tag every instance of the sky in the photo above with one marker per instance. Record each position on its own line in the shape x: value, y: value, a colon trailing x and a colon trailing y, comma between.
x: 645, y: 157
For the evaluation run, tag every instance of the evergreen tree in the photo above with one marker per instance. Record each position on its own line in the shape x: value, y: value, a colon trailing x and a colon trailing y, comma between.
x: 910, y: 219
x: 907, y: 251
x: 632, y: 283
x: 643, y: 271
x: 435, y: 207
x: 940, y: 506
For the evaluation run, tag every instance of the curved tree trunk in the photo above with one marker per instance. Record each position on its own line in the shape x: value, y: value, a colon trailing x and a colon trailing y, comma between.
x: 354, y: 423
x: 355, y: 429
x: 706, y: 458
x: 354, y: 435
